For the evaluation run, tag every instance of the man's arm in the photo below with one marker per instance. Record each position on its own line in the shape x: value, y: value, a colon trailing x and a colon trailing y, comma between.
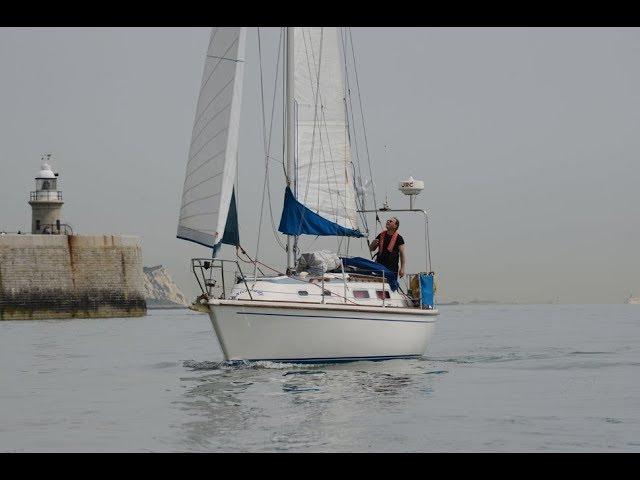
x: 373, y: 245
x: 402, y: 260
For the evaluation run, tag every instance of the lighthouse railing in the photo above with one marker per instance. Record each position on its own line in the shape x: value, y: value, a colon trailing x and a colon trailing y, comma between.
x: 44, y: 195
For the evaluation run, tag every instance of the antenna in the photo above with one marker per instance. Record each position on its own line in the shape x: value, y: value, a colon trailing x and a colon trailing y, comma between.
x: 386, y: 188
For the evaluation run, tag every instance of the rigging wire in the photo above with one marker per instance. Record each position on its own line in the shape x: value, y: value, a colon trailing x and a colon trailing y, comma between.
x: 237, y: 194
x: 274, y: 229
x: 266, y: 166
x: 319, y: 124
x: 318, y: 147
x: 341, y: 200
x: 351, y: 110
x: 316, y: 100
x: 348, y: 105
x: 364, y: 127
x: 266, y: 141
x: 255, y: 263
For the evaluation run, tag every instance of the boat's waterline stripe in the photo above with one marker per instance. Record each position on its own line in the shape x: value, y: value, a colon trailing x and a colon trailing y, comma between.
x: 326, y: 307
x: 334, y: 359
x: 340, y: 318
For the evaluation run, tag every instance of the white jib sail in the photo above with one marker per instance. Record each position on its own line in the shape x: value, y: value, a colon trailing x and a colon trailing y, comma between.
x: 211, y: 167
x: 323, y: 173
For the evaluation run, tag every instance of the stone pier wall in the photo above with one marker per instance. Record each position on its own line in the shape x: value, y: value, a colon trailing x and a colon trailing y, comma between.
x: 70, y: 276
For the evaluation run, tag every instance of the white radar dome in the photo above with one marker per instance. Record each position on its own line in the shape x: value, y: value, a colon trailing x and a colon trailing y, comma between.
x: 411, y: 186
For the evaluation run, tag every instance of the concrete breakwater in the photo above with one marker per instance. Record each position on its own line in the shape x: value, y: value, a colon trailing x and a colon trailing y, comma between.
x: 70, y: 276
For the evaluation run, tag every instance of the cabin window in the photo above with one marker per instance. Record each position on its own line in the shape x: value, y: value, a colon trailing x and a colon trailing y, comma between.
x: 380, y: 293
x: 303, y: 293
x: 327, y: 292
x: 361, y: 294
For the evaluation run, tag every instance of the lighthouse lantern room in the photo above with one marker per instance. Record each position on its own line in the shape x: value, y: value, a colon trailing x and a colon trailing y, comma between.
x: 46, y: 201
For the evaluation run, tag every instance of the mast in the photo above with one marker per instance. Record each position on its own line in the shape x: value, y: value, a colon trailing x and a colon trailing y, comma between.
x: 314, y: 119
x: 289, y: 127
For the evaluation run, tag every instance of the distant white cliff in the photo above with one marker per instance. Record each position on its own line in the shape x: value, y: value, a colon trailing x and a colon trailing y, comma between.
x: 160, y: 290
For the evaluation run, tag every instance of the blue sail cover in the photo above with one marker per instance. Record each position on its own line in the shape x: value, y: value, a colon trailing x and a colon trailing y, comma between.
x: 299, y: 220
x: 370, y: 267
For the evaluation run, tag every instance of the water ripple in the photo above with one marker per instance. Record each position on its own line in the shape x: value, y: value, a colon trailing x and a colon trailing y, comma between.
x: 298, y: 388
x: 589, y: 353
x: 304, y: 372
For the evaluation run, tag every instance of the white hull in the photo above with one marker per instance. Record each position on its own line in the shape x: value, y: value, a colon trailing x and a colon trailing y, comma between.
x: 289, y: 331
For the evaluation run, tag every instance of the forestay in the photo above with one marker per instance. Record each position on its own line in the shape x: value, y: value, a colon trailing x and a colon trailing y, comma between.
x: 208, y: 187
x: 322, y: 176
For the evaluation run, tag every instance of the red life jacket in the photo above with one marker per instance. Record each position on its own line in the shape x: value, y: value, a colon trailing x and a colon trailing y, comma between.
x: 392, y: 243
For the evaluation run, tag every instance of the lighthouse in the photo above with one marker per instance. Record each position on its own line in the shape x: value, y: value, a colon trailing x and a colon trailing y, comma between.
x: 66, y: 275
x: 46, y: 201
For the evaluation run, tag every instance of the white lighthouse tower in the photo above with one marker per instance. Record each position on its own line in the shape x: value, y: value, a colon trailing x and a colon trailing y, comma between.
x: 46, y: 201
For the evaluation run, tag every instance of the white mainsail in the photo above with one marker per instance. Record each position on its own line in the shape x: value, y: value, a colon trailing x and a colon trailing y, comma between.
x: 322, y: 158
x: 211, y: 168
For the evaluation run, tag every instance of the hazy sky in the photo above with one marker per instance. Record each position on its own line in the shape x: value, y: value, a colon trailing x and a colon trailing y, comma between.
x: 527, y: 140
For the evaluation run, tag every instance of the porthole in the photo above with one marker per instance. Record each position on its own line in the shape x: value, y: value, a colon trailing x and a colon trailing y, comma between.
x: 303, y: 293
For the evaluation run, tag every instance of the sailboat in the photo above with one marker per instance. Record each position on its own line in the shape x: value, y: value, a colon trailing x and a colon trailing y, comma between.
x: 350, y: 308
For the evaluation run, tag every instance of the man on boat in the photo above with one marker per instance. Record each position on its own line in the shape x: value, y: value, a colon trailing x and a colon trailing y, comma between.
x: 390, y: 245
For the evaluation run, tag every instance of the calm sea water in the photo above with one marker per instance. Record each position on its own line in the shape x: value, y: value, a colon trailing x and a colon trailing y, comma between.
x: 555, y: 378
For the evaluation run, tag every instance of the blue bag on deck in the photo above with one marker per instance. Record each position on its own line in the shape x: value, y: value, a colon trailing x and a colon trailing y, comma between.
x: 426, y: 290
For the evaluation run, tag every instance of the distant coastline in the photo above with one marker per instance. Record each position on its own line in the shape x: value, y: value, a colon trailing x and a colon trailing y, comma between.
x: 153, y: 304
x: 476, y: 302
